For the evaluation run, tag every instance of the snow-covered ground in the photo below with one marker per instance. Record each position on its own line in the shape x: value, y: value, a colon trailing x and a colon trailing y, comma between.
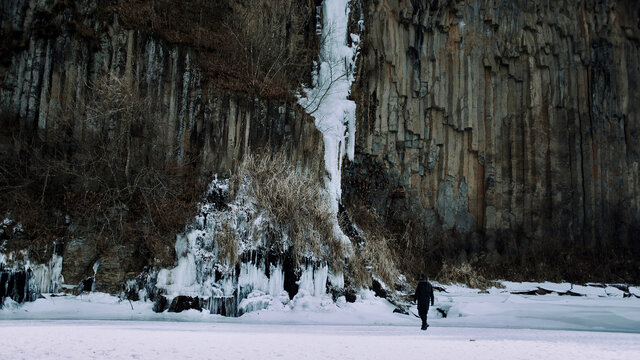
x: 600, y: 325
x: 180, y: 340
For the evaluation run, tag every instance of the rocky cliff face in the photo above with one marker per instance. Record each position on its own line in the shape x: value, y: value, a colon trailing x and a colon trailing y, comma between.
x: 502, y: 133
x: 508, y: 123
x: 55, y: 53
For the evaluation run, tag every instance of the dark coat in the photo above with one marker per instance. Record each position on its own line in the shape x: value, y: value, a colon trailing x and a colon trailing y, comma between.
x: 424, y: 295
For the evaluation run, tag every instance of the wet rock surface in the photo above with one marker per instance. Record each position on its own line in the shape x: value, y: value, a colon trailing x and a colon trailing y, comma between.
x: 15, y: 285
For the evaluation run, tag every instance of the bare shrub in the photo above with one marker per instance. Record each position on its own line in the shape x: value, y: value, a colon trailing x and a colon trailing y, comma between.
x: 373, y: 251
x: 464, y: 274
x: 260, y: 47
x: 260, y: 40
x: 297, y: 204
x: 108, y: 180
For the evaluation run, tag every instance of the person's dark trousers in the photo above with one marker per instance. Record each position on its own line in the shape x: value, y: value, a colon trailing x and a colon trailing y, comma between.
x: 423, y: 316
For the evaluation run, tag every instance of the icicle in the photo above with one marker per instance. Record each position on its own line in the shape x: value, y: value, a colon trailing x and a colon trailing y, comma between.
x: 336, y: 279
x: 313, y: 280
x: 96, y: 265
x: 46, y: 278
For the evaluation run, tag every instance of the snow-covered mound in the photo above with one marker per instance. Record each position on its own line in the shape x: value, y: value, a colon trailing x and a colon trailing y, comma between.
x: 259, y: 280
x: 599, y: 309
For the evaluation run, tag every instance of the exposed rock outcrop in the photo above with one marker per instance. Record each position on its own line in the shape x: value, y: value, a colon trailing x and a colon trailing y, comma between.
x: 55, y: 52
x: 511, y: 119
x: 48, y: 72
x: 487, y: 130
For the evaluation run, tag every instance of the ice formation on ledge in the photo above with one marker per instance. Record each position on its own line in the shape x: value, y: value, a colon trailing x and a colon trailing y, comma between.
x: 258, y: 280
x: 46, y: 278
x: 20, y: 278
x: 314, y: 280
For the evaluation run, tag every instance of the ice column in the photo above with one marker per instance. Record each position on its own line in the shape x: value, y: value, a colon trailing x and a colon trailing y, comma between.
x: 328, y: 100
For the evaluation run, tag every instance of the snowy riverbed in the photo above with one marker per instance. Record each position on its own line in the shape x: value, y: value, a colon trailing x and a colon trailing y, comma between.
x: 601, y: 324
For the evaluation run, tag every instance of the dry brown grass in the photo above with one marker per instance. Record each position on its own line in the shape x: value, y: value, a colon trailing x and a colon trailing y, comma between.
x: 464, y: 274
x: 296, y: 202
x: 373, y: 251
x: 356, y: 271
x: 227, y: 243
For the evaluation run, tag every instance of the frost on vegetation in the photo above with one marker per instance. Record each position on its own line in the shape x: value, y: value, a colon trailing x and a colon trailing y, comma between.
x: 9, y: 228
x: 246, y: 229
x: 18, y: 228
x: 141, y: 287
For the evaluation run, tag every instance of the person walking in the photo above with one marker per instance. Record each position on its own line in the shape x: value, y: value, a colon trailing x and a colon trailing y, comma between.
x: 424, y: 295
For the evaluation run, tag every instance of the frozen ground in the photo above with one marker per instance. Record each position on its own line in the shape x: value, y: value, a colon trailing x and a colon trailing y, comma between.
x: 187, y: 340
x: 602, y: 324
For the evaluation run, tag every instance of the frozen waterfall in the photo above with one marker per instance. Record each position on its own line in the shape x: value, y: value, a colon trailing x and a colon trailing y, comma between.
x: 328, y: 100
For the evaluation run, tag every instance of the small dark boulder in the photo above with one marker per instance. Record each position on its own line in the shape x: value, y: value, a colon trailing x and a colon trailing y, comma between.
x: 400, y: 311
x: 182, y: 303
x: 87, y: 284
x: 538, y: 291
x: 542, y: 291
x: 378, y: 290
x: 350, y: 295
x: 442, y: 312
x: 161, y: 304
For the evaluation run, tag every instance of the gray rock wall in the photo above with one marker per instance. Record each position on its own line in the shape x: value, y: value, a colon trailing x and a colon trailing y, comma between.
x: 484, y: 117
x: 496, y: 116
